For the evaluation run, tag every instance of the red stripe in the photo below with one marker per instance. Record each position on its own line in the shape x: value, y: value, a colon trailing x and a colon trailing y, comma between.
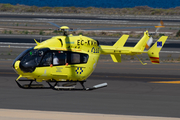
x: 154, y: 57
x: 155, y: 61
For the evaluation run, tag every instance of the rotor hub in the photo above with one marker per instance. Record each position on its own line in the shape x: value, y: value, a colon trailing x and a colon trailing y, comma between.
x: 64, y: 29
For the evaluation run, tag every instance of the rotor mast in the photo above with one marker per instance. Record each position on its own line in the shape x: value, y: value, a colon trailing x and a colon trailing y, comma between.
x: 65, y: 30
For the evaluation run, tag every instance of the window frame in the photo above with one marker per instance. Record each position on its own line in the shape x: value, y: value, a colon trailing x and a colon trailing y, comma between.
x: 67, y: 58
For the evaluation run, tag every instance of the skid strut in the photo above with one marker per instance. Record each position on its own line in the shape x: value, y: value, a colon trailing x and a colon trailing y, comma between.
x: 69, y: 85
x: 31, y: 86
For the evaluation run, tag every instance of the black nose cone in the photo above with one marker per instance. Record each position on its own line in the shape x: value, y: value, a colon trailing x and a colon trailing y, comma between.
x: 25, y: 67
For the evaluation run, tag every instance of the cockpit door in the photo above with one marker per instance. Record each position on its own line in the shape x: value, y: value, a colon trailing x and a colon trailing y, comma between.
x: 59, y: 69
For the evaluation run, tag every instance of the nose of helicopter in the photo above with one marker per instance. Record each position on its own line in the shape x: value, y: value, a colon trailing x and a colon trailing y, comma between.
x: 20, y: 67
x: 16, y: 62
x: 27, y: 66
x: 16, y: 66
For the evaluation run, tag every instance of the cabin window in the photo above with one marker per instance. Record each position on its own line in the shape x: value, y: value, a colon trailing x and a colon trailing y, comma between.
x: 84, y: 58
x: 59, y: 58
x: 77, y: 58
x: 62, y: 57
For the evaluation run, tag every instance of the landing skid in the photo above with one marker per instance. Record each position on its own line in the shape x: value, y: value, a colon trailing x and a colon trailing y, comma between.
x: 70, y: 86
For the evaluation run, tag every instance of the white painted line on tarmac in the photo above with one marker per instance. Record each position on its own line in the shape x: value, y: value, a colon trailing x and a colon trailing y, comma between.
x: 10, y: 43
x: 15, y: 46
x: 170, y: 51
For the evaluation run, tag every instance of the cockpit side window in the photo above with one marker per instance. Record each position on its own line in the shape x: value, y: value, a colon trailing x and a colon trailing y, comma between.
x: 59, y: 58
x: 19, y: 57
x: 33, y: 57
x: 47, y: 59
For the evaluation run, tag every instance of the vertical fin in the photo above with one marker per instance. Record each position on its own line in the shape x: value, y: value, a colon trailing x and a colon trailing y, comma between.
x: 153, y: 52
x: 142, y: 43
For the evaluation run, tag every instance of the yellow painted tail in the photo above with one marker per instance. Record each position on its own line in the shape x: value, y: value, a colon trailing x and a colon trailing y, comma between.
x: 118, y: 48
x: 153, y: 52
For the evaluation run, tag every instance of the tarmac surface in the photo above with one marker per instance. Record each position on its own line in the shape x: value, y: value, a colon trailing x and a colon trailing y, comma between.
x: 130, y: 91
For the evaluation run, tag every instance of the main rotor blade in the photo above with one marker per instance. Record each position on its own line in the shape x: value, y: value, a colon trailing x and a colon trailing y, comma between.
x: 54, y: 24
x: 117, y: 28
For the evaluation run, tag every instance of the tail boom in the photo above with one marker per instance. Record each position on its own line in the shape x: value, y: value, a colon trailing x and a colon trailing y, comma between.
x: 118, y: 48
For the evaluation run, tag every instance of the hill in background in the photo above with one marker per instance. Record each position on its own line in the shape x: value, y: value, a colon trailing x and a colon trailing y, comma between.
x: 140, y: 10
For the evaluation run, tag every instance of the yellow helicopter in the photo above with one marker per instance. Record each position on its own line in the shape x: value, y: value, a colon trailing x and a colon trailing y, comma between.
x: 63, y: 61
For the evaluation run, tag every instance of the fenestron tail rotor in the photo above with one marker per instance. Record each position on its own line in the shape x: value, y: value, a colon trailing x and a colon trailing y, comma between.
x: 149, y: 43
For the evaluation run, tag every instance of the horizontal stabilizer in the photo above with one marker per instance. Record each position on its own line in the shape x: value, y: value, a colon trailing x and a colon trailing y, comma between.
x: 121, y: 41
x: 116, y: 57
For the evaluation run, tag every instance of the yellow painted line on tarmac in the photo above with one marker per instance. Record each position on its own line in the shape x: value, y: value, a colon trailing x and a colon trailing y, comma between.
x: 161, y: 78
x: 135, y: 68
x: 136, y: 63
x: 138, y: 77
x: 169, y: 82
x: 133, y: 63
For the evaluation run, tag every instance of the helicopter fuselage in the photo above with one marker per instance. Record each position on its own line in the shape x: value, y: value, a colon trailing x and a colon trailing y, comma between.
x: 61, y: 58
x: 72, y: 59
